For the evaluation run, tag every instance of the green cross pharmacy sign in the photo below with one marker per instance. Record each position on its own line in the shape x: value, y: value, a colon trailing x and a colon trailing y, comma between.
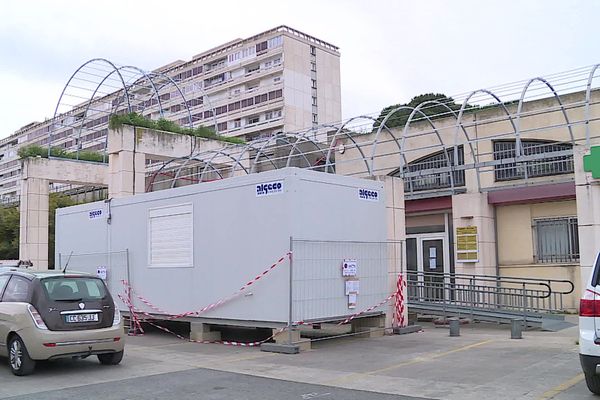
x: 591, y: 162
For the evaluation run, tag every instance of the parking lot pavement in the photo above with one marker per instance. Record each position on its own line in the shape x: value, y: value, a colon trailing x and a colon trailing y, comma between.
x: 482, y: 363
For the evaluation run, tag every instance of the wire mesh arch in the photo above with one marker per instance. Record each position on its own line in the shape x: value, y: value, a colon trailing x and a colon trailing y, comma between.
x: 118, y: 89
x: 99, y: 88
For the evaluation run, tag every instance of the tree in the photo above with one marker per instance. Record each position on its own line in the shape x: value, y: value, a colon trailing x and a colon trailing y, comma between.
x: 434, y: 111
x: 9, y: 228
x: 9, y: 233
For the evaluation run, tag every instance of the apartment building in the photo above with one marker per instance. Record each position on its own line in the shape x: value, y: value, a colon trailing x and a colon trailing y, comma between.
x: 277, y: 80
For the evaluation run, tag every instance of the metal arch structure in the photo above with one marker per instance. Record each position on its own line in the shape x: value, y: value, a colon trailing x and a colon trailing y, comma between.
x: 436, y: 131
x: 459, y: 124
x: 115, y: 69
x: 520, y: 110
x: 588, y: 100
x: 283, y: 148
x: 279, y: 136
x: 209, y: 162
x: 122, y: 93
x: 302, y: 138
x: 214, y: 153
x: 380, y: 127
x: 248, y: 147
x: 358, y: 147
x: 89, y: 103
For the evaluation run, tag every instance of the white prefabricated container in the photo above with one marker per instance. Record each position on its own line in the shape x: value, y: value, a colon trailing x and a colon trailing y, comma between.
x: 191, y: 246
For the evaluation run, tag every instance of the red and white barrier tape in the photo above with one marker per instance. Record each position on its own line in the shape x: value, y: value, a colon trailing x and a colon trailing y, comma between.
x: 399, y: 308
x: 135, y: 327
x: 224, y: 342
x: 209, y: 307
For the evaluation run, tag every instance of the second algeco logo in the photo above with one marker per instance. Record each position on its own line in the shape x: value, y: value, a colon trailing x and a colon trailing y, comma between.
x: 269, y: 188
x: 368, y: 194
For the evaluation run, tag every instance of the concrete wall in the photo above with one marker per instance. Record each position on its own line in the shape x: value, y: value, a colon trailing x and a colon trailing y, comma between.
x: 516, y: 245
x: 515, y: 231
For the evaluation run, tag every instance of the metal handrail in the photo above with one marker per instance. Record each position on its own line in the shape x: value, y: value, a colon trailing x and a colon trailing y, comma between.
x: 522, y: 296
x: 505, y: 279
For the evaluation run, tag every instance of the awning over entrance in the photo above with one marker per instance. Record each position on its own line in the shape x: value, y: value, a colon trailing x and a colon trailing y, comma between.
x: 553, y: 192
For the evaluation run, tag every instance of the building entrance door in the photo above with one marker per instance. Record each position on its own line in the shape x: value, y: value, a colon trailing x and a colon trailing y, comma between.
x: 427, y: 259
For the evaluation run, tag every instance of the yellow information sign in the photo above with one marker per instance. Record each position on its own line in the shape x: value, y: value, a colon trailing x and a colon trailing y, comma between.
x: 466, y: 244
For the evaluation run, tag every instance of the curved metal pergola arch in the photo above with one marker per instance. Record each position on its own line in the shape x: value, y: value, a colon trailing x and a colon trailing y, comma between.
x: 302, y: 138
x: 160, y: 170
x: 588, y: 100
x: 247, y: 147
x: 278, y: 136
x: 376, y: 140
x: 437, y: 133
x: 520, y: 110
x: 122, y: 68
x: 335, y: 137
x: 115, y: 69
x: 215, y: 154
x: 459, y: 123
x: 196, y: 158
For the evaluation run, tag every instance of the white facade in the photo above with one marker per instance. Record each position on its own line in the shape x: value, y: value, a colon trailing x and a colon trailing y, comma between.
x: 278, y: 80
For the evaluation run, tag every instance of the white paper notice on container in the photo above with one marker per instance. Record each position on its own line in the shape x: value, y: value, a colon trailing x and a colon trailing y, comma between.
x: 101, y: 273
x: 349, y: 267
x: 352, y: 298
x: 269, y: 188
x: 95, y: 214
x: 352, y: 286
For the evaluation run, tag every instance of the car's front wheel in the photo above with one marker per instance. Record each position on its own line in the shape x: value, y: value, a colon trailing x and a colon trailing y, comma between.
x: 111, y: 358
x: 18, y: 358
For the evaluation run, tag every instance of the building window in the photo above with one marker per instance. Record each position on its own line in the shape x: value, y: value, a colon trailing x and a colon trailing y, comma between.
x: 237, y: 123
x: 313, y: 66
x: 261, y: 98
x: 275, y: 42
x: 314, y: 100
x: 533, y: 165
x: 315, y: 118
x: 313, y: 51
x: 415, y: 180
x: 262, y: 46
x: 272, y: 115
x: 248, y: 102
x: 314, y: 83
x: 277, y: 79
x: 556, y: 240
x: 253, y: 119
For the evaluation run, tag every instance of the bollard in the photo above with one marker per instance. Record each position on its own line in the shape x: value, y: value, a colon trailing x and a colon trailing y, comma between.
x: 516, y: 327
x: 454, y: 324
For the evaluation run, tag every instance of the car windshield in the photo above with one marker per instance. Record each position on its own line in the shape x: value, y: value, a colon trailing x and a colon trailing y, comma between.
x: 74, y: 288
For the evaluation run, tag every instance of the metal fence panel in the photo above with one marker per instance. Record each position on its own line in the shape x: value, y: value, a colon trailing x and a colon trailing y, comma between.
x: 318, y: 286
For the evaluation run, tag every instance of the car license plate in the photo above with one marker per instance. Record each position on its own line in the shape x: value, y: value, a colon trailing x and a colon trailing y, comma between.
x: 76, y: 318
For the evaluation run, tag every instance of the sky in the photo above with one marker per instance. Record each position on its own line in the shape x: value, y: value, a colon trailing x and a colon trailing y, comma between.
x: 390, y: 50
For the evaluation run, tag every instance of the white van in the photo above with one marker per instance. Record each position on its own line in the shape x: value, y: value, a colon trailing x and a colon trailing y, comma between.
x: 589, y: 330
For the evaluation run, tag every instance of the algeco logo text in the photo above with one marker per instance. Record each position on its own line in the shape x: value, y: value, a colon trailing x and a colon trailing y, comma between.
x: 267, y: 189
x: 95, y: 214
x: 370, y: 195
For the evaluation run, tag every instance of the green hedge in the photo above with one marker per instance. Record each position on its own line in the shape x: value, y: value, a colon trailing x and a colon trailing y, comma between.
x: 33, y: 150
x: 135, y: 119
